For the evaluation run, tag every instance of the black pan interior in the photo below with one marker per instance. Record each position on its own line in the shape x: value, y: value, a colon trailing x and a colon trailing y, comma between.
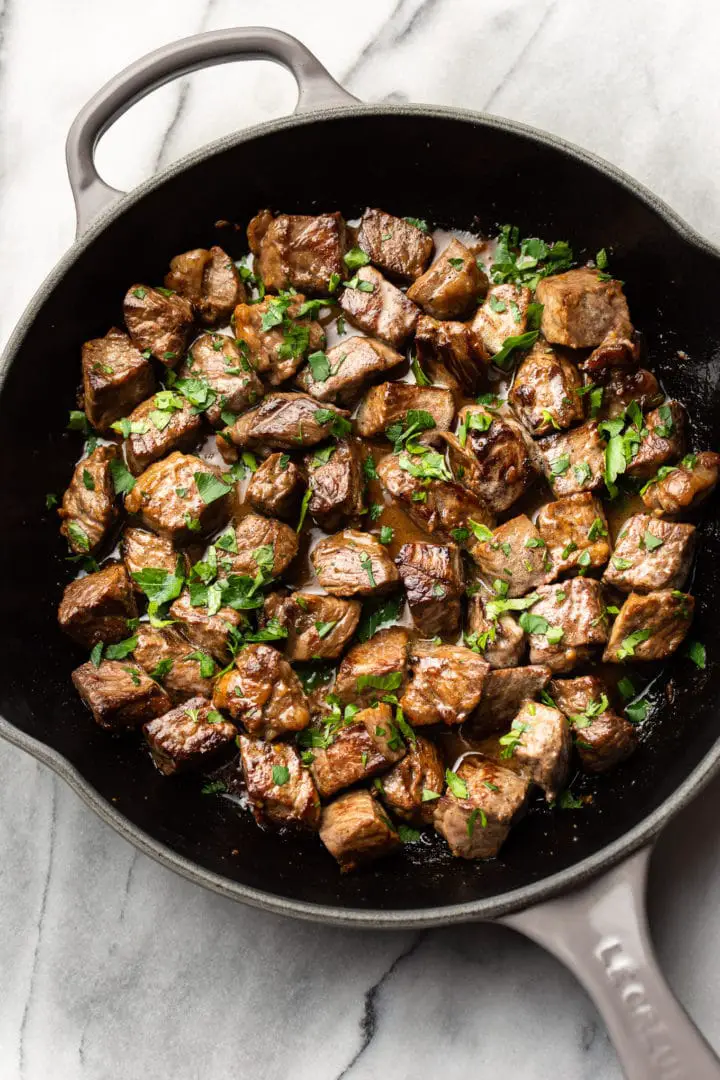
x: 455, y: 172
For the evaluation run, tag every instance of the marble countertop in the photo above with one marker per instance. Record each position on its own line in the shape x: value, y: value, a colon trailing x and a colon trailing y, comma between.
x: 114, y: 967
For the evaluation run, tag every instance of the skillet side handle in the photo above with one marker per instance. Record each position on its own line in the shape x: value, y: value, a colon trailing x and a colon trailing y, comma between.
x: 316, y: 89
x: 600, y: 932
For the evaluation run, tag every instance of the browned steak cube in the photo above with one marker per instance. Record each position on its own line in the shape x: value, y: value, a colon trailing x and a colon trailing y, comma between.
x: 88, y: 510
x: 262, y: 543
x: 685, y: 486
x: 476, y: 815
x: 97, y: 607
x: 156, y: 431
x: 263, y: 692
x: 119, y: 694
x: 384, y: 404
x: 351, y: 365
x: 411, y: 787
x: 398, y: 247
x: 541, y: 743
x: 432, y: 575
x: 227, y: 371
x: 621, y: 386
x: 517, y: 555
x: 353, y: 563
x: 169, y: 658
x: 574, y: 460
x: 158, y: 322
x: 576, y: 533
x: 452, y: 285
x: 650, y: 627
x: 209, y: 280
x: 280, y: 789
x: 190, y: 737
x: 288, y: 422
x: 507, y: 462
x: 116, y: 376
x: 301, y: 250
x: 664, y: 441
x: 319, y: 627
x: 368, y: 745
x: 503, y: 315
x: 143, y: 550
x: 545, y: 391
x: 581, y: 308
x: 500, y: 640
x: 446, y: 684
x: 382, y: 310
x: 373, y: 668
x: 617, y: 350
x: 355, y: 830
x: 210, y: 633
x: 336, y: 480
x: 180, y: 497
x: 276, y: 487
x: 651, y: 554
x: 456, y: 347
x: 566, y: 623
x: 275, y: 337
x: 503, y: 694
x: 602, y: 737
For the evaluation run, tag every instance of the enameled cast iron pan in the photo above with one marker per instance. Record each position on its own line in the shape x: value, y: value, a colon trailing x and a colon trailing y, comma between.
x: 458, y: 169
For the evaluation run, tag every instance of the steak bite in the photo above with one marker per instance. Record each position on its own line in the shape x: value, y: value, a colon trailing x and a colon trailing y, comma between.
x: 97, y: 607
x: 456, y: 347
x: 574, y: 461
x: 501, y: 641
x: 287, y: 422
x: 336, y: 481
x: 275, y: 488
x: 209, y: 280
x: 395, y: 245
x: 621, y: 386
x: 262, y: 544
x: 88, y: 509
x: 566, y: 623
x: 543, y: 747
x: 366, y: 746
x: 158, y: 322
x: 681, y: 489
x: 373, y: 665
x: 119, y: 694
x: 446, y: 684
x: 353, y: 563
x: 116, y: 376
x: 276, y: 340
x: 651, y: 554
x: 351, y: 365
x: 301, y: 250
x: 165, y: 655
x: 218, y: 360
x: 515, y: 554
x: 190, y: 737
x: 506, y: 459
x: 432, y: 575
x: 602, y: 737
x: 663, y: 442
x: 180, y: 497
x: 385, y: 404
x: 383, y: 311
x: 281, y: 791
x: 212, y: 634
x: 263, y: 692
x: 319, y: 627
x: 144, y: 550
x: 476, y: 815
x: 355, y: 830
x: 503, y: 694
x: 403, y: 788
x: 575, y: 531
x: 545, y: 391
x: 503, y: 315
x: 157, y: 431
x: 616, y: 350
x: 650, y: 627
x: 452, y: 286
x: 580, y: 308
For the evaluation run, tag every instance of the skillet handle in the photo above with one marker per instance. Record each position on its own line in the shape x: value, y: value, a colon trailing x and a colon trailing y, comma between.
x: 316, y: 89
x: 601, y: 933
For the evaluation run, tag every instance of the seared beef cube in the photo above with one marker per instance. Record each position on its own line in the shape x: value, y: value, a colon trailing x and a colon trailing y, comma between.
x: 97, y: 607
x: 218, y: 360
x: 158, y: 322
x: 370, y: 744
x: 403, y: 788
x: 190, y: 737
x: 566, y: 622
x: 650, y: 627
x: 433, y: 578
x: 581, y: 308
x: 355, y: 830
x: 209, y: 280
x: 651, y: 554
x: 275, y: 488
x: 371, y: 665
x: 336, y: 484
x: 574, y: 461
x: 383, y: 311
x: 277, y: 340
x: 170, y: 497
x: 621, y: 387
x: 501, y: 641
x: 263, y: 692
x: 144, y: 550
x: 210, y: 633
x: 88, y: 508
x: 452, y: 286
x: 116, y: 376
x: 262, y: 543
x: 446, y: 684
x: 301, y: 250
x: 503, y: 694
x: 156, y: 432
x: 503, y: 315
x: 543, y: 746
x: 353, y: 563
x: 685, y: 486
x: 476, y: 821
x: 506, y: 459
x: 603, y: 738
x: 456, y: 347
x: 164, y: 655
x: 398, y: 247
x: 517, y: 555
x: 281, y: 791
x: 351, y: 365
x: 576, y: 533
x: 664, y: 441
x: 286, y: 422
x: 119, y: 694
x: 618, y: 349
x: 319, y: 627
x: 389, y: 402
x: 545, y: 391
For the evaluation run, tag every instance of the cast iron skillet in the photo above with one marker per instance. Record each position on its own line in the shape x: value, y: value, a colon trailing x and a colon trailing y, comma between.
x: 455, y: 168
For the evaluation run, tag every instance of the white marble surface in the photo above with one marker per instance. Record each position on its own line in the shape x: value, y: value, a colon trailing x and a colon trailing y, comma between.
x: 111, y: 966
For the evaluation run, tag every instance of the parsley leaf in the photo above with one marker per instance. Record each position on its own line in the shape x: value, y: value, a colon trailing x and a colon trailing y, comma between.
x: 210, y: 487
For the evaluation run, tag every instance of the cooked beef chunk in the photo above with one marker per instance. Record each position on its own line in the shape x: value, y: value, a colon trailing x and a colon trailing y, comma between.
x: 621, y: 387
x: 389, y: 402
x: 353, y: 563
x: 545, y: 391
x: 505, y: 456
x: 276, y: 339
x: 263, y: 692
x: 574, y: 460
x: 351, y: 365
x: 168, y: 500
x: 366, y: 746
x: 501, y: 641
x: 476, y: 824
x: 576, y: 533
x: 158, y: 322
x: 210, y: 633
x: 651, y: 554
x: 566, y: 622
x: 399, y: 248
x: 517, y: 555
x: 97, y: 607
x: 355, y: 830
x: 119, y: 694
x: 116, y: 376
x: 446, y: 684
x: 371, y: 665
x: 650, y: 627
x: 542, y: 749
x: 155, y: 432
x: 404, y: 787
x: 191, y: 736
x: 503, y: 694
x: 581, y: 308
x: 336, y: 484
x: 275, y: 488
x: 88, y: 508
x: 664, y: 441
x: 217, y: 360
x: 286, y: 422
x: 685, y: 486
x: 618, y: 349
x: 433, y: 578
x: 383, y: 312
x: 164, y: 654
x: 453, y: 284
x: 456, y: 347
x: 503, y: 315
x: 262, y: 543
x: 144, y: 550
x: 603, y: 738
x: 280, y: 790
x: 318, y: 626
x: 209, y: 280
x: 301, y: 250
